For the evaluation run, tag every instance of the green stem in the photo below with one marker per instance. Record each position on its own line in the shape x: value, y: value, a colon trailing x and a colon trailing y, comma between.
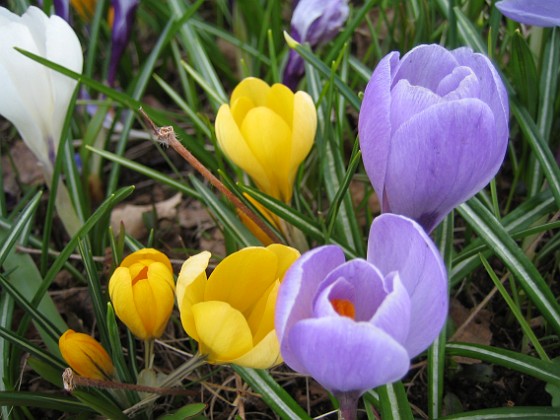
x: 149, y: 353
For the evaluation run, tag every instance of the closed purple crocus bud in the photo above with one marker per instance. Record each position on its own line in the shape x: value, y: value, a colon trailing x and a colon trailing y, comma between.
x: 355, y: 325
x: 62, y: 9
x: 433, y: 130
x: 532, y: 12
x: 315, y: 22
x: 125, y: 11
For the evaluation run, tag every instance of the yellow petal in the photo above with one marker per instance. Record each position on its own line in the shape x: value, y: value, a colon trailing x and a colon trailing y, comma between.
x: 146, y: 256
x: 120, y: 291
x: 163, y: 292
x: 235, y: 147
x: 261, y: 318
x: 85, y: 355
x: 193, y: 268
x: 303, y: 131
x: 264, y: 355
x: 269, y: 138
x: 240, y: 108
x: 281, y: 101
x: 252, y: 88
x: 143, y: 301
x: 286, y: 257
x: 223, y: 331
x: 242, y: 277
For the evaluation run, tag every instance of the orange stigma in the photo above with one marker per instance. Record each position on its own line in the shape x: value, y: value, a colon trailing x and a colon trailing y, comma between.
x: 344, y: 307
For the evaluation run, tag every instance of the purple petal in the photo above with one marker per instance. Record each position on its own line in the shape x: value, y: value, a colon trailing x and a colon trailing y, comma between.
x: 125, y: 11
x: 532, y: 12
x: 425, y: 66
x: 393, y: 316
x: 492, y: 90
x: 294, y: 70
x: 399, y: 244
x: 62, y: 9
x: 374, y: 124
x: 345, y: 356
x: 459, y: 84
x: 318, y: 21
x: 440, y: 158
x: 357, y: 281
x: 298, y: 289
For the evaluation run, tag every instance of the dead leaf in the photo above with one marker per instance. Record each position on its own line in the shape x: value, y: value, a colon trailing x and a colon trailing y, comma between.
x: 477, y: 331
x: 130, y: 215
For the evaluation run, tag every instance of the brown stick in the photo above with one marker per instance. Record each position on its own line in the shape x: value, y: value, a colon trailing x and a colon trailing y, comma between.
x: 166, y: 135
x: 71, y: 382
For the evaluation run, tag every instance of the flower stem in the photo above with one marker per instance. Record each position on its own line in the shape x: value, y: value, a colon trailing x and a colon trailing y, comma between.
x: 166, y: 135
x: 149, y: 353
x: 348, y: 402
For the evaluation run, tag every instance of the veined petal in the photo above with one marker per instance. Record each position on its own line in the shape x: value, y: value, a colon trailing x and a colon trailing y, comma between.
x: 545, y: 13
x: 145, y: 256
x: 264, y: 355
x: 428, y: 175
x: 143, y: 304
x: 253, y: 88
x: 85, y: 355
x: 374, y: 124
x: 398, y: 244
x: 223, y: 331
x: 242, y: 277
x: 344, y: 356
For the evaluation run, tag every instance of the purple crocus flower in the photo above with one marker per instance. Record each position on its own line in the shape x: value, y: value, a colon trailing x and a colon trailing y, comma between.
x: 355, y: 325
x: 532, y: 12
x: 120, y: 34
x: 433, y: 130
x: 315, y: 22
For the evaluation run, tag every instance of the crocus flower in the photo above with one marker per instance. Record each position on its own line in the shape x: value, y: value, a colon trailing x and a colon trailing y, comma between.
x: 532, y: 12
x: 33, y: 97
x: 124, y: 12
x: 314, y: 22
x: 85, y: 355
x: 231, y: 314
x: 143, y: 292
x: 62, y: 9
x: 267, y: 131
x: 355, y: 325
x: 433, y: 130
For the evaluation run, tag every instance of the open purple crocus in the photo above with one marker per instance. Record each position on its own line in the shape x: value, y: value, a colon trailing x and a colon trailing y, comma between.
x: 543, y: 13
x: 433, y: 129
x: 354, y: 325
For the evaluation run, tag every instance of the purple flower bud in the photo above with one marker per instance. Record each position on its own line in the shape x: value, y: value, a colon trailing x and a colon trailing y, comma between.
x: 62, y: 9
x: 315, y: 22
x: 125, y: 11
x: 532, y: 12
x: 433, y: 130
x: 355, y: 325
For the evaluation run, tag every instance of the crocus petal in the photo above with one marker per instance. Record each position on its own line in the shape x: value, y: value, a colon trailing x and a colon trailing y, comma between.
x: 295, y: 298
x: 191, y: 270
x: 318, y: 21
x: 264, y: 355
x: 304, y: 127
x: 286, y: 256
x: 122, y: 297
x: 145, y: 256
x: 447, y: 167
x: 344, y: 356
x: 124, y: 12
x: 374, y: 124
x: 233, y: 144
x: 85, y: 355
x: 532, y: 12
x: 254, y: 88
x: 242, y: 277
x: 223, y: 331
x: 414, y: 256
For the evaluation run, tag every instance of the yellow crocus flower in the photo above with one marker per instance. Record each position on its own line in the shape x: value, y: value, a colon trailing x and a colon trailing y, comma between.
x: 231, y: 314
x: 142, y: 291
x: 267, y: 131
x: 85, y: 355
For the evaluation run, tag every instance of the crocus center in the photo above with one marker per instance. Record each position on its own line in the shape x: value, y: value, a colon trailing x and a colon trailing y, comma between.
x: 344, y: 307
x: 142, y: 274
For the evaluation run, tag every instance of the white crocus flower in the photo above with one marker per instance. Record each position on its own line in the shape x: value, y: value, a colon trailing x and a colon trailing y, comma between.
x: 33, y: 97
